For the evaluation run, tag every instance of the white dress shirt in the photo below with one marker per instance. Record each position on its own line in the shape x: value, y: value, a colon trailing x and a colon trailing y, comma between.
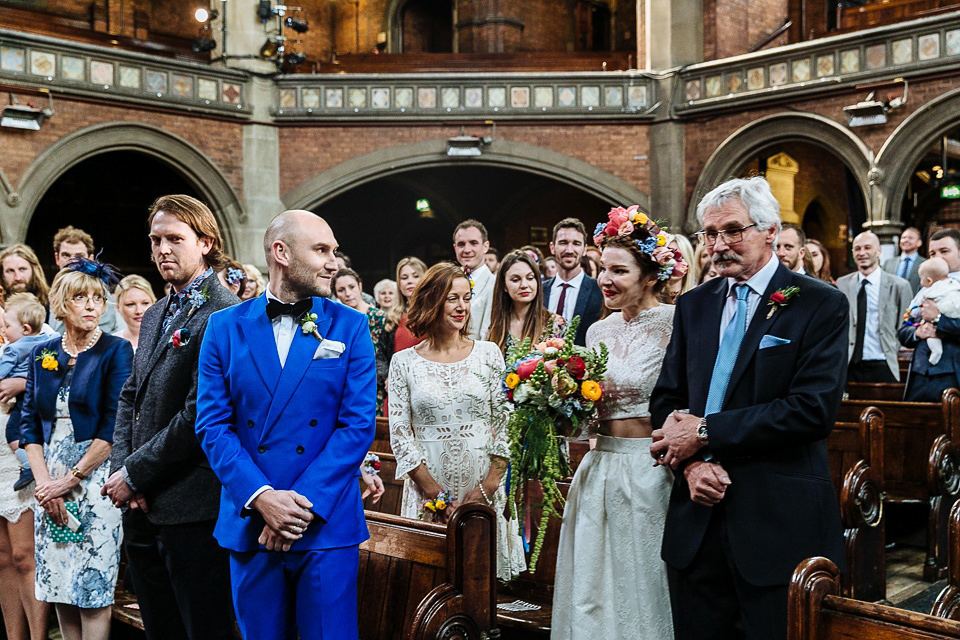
x: 871, y: 330
x: 757, y: 285
x: 570, y: 301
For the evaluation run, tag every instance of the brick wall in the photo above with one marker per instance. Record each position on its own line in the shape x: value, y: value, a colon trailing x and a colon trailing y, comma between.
x: 732, y: 27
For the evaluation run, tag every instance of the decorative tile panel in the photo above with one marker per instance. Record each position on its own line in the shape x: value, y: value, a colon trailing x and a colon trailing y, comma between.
x: 543, y: 96
x: 207, y: 89
x: 902, y: 51
x: 876, y: 56
x: 928, y: 46
x: 755, y: 79
x: 231, y: 93
x: 714, y: 86
x: 357, y: 97
x: 129, y: 77
x: 735, y: 83
x: 380, y: 98
x: 404, y: 97
x: 427, y: 97
x: 334, y: 98
x: 850, y: 61
x: 590, y: 96
x: 288, y: 98
x: 497, y: 97
x: 778, y: 74
x: 450, y: 97
x: 12, y: 59
x: 613, y: 96
x: 72, y: 68
x: 182, y: 86
x: 637, y: 96
x: 825, y: 66
x: 953, y: 42
x: 801, y: 70
x: 693, y: 90
x: 473, y: 97
x: 101, y: 73
x: 43, y: 63
x: 156, y: 81
x: 519, y: 97
x: 310, y: 99
x: 567, y: 96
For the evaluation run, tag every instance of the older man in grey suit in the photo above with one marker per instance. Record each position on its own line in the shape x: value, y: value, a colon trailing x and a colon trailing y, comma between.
x: 877, y: 303
x: 907, y: 265
x: 161, y: 476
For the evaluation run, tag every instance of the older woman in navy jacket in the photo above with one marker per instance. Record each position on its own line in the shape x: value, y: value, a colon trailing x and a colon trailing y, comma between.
x: 69, y: 409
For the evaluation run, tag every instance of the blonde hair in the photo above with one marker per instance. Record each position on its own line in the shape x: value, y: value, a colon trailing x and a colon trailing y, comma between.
x: 27, y: 310
x: 257, y: 277
x: 396, y: 311
x: 69, y: 283
x: 134, y: 282
x: 199, y: 218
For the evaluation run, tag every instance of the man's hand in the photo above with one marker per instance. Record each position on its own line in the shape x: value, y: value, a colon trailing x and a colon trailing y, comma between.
x: 929, y: 311
x: 10, y: 388
x: 286, y: 512
x: 139, y: 501
x: 117, y: 489
x: 374, y: 486
x: 273, y: 540
x: 708, y: 482
x: 676, y: 440
x: 926, y: 330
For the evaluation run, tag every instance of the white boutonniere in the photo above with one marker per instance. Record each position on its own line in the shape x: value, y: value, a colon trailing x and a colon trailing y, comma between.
x: 308, y: 324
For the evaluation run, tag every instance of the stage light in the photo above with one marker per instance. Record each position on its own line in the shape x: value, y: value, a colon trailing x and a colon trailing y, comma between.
x: 300, y: 26
x: 270, y: 48
x: 264, y: 11
x: 16, y: 116
x: 201, y: 15
x: 466, y: 145
x: 293, y: 59
x: 202, y: 45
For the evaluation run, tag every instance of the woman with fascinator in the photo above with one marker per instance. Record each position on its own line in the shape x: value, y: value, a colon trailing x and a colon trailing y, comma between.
x: 68, y: 415
x: 611, y: 582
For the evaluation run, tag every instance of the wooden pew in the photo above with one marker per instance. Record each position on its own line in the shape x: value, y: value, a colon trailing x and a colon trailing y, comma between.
x: 381, y: 441
x: 883, y: 391
x: 921, y: 463
x: 947, y: 604
x: 423, y: 581
x: 815, y: 611
x: 855, y: 451
x: 392, y: 497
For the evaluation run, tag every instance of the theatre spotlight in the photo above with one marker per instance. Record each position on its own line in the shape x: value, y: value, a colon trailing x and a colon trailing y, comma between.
x: 873, y: 111
x: 293, y: 59
x: 300, y: 26
x: 466, y: 145
x: 270, y: 48
x: 264, y: 11
x: 202, y: 45
x: 22, y: 116
x: 202, y: 15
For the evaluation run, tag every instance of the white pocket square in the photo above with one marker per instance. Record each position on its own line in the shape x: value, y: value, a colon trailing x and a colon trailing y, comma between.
x: 329, y: 349
x: 772, y: 341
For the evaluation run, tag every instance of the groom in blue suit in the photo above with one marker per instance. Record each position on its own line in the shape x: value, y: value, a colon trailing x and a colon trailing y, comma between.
x: 285, y: 414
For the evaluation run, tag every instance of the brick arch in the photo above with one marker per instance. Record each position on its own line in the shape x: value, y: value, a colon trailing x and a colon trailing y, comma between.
x: 89, y: 142
x: 782, y: 128
x: 433, y: 153
x: 903, y: 150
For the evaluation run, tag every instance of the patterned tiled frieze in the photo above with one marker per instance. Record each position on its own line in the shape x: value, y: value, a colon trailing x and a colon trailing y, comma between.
x: 464, y: 96
x: 902, y: 50
x: 80, y: 69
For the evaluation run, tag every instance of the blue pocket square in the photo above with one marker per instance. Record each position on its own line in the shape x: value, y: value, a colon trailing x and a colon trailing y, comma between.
x: 772, y: 341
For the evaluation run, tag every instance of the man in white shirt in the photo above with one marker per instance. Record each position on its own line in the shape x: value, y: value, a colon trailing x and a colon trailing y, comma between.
x: 791, y: 248
x: 877, y: 302
x: 470, y: 244
x: 907, y: 265
x: 572, y: 292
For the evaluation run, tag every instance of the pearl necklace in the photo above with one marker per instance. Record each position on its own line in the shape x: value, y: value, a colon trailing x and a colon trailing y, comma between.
x: 93, y: 341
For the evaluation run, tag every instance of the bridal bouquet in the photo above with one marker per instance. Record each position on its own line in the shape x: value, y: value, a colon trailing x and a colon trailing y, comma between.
x: 553, y: 388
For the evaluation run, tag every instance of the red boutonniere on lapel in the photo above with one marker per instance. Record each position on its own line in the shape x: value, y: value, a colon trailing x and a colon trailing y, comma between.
x: 781, y: 298
x: 180, y: 337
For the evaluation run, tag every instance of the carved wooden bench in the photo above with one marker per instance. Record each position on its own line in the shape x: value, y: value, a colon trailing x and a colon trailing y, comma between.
x: 947, y: 604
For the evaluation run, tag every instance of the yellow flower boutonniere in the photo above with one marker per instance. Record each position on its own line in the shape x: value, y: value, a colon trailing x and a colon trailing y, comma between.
x: 48, y: 360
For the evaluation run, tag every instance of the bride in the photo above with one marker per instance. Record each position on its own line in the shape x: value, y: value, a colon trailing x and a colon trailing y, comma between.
x: 611, y: 582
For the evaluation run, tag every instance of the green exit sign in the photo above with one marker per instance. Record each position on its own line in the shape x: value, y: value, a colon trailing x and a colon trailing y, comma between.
x: 424, y: 205
x: 951, y: 192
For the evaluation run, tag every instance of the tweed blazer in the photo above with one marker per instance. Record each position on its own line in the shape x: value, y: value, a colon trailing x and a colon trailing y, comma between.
x: 155, y: 436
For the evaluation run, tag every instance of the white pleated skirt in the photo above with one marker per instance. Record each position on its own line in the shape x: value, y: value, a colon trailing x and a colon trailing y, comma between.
x: 611, y: 583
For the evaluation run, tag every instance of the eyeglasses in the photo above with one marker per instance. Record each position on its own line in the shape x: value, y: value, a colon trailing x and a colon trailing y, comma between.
x: 81, y: 299
x: 730, y: 236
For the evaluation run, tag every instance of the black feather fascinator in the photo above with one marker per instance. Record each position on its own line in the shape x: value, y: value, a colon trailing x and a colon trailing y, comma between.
x: 105, y: 273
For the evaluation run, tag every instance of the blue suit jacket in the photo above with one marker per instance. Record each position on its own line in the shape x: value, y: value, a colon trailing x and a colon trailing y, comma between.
x: 306, y: 426
x: 589, y: 305
x: 948, y: 330
x: 98, y: 376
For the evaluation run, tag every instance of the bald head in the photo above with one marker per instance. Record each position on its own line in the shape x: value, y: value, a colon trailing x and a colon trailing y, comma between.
x: 866, y: 252
x: 299, y: 247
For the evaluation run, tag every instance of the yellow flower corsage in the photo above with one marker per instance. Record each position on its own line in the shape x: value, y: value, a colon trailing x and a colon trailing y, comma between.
x: 48, y: 360
x: 440, y: 503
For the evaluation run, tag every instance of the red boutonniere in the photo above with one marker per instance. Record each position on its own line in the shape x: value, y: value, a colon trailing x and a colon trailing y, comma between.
x: 180, y: 338
x: 781, y: 298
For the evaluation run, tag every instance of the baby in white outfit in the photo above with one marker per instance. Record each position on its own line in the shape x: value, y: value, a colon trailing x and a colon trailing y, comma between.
x: 944, y: 291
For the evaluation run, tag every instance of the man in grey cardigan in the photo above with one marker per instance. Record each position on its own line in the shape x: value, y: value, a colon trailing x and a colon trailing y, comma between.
x: 160, y: 475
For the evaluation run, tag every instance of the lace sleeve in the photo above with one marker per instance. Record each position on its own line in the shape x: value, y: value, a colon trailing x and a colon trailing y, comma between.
x: 405, y: 447
x: 499, y: 413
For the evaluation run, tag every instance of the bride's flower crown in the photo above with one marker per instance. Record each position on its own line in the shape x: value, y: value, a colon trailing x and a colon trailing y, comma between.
x: 649, y: 238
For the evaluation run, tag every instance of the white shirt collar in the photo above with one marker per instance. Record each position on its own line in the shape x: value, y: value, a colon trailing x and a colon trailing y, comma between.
x: 761, y: 279
x: 873, y: 278
x: 270, y: 295
x: 904, y: 256
x: 574, y: 282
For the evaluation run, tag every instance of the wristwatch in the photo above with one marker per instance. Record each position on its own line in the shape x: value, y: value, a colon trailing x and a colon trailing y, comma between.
x: 702, y: 437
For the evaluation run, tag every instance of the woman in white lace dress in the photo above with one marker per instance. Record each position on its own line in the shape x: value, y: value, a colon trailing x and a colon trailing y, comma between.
x: 447, y: 421
x: 611, y: 582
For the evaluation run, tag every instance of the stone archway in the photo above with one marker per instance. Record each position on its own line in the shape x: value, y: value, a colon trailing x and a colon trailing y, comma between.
x: 903, y: 150
x: 432, y: 153
x: 747, y: 141
x: 86, y: 143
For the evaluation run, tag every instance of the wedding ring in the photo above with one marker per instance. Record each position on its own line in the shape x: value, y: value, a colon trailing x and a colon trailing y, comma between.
x: 661, y: 456
x: 300, y: 523
x: 40, y: 496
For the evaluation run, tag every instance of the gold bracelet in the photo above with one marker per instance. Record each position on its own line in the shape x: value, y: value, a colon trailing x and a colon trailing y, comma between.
x: 484, y: 493
x: 76, y: 474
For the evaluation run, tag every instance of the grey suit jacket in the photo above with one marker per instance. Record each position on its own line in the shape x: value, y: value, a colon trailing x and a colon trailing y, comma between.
x: 155, y: 436
x: 895, y: 296
x: 913, y: 277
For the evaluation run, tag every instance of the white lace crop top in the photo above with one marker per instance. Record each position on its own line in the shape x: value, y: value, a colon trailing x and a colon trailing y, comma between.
x: 636, y: 355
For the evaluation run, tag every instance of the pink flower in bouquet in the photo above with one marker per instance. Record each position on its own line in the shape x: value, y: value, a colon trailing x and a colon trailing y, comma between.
x: 626, y: 228
x: 556, y: 343
x: 679, y: 269
x: 618, y: 215
x: 576, y: 367
x: 526, y: 369
x: 563, y: 384
x: 550, y: 366
x: 611, y: 228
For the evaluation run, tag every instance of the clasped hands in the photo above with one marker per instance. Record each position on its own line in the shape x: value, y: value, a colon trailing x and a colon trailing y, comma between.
x: 677, y: 441
x: 50, y: 494
x: 287, y: 515
x: 120, y: 493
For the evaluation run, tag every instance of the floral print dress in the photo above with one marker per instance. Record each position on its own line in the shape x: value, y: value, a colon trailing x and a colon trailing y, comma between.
x: 383, y: 351
x: 83, y: 574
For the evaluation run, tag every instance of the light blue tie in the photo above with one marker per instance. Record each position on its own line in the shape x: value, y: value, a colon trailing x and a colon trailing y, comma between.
x: 727, y: 355
x: 905, y: 267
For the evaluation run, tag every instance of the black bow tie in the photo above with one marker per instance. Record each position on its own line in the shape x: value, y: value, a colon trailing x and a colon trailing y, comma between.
x: 275, y: 308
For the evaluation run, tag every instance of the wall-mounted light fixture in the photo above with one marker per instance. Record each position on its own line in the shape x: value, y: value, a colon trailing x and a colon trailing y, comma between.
x: 23, y: 116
